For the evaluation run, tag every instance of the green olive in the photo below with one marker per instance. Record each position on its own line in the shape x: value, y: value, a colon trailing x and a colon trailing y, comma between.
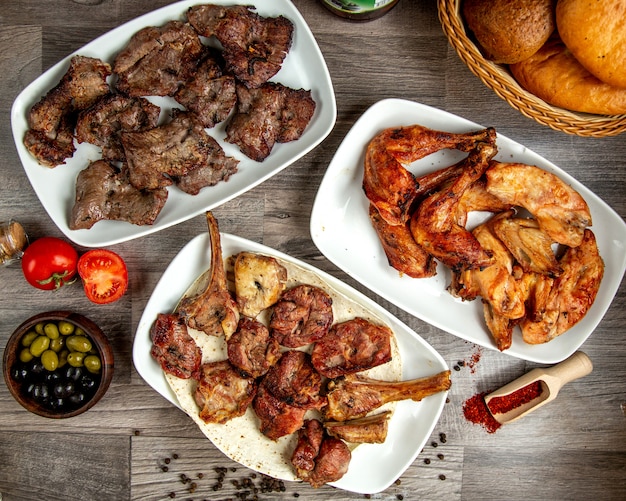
x: 79, y: 332
x: 49, y: 360
x: 39, y: 345
x: 66, y: 328
x: 63, y: 357
x: 26, y: 355
x: 57, y: 344
x: 51, y: 330
x: 39, y: 328
x: 28, y: 338
x: 92, y: 363
x: 75, y: 358
x: 78, y: 343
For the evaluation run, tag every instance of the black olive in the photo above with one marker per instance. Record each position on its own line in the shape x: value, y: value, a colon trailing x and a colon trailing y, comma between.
x: 41, y: 392
x: 36, y: 367
x: 20, y: 373
x: 87, y: 382
x: 77, y: 399
x: 52, y: 377
x: 63, y: 389
x: 57, y: 403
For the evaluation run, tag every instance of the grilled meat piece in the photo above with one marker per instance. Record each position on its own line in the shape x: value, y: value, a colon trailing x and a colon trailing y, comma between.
x: 172, y: 150
x: 173, y: 348
x: 213, y: 310
x: 294, y: 380
x: 102, y: 123
x: 209, y: 93
x: 366, y: 430
x: 52, y: 118
x: 276, y: 417
x: 104, y: 192
x: 216, y: 168
x: 222, y: 392
x: 266, y: 115
x: 158, y: 60
x: 302, y: 315
x: 354, y: 396
x: 318, y: 458
x: 259, y: 282
x: 254, y: 46
x: 251, y: 349
x: 352, y: 346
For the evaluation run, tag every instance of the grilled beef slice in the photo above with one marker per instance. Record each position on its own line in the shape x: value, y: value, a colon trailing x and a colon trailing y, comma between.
x: 158, y: 60
x: 104, y: 192
x: 269, y: 114
x: 102, y: 123
x: 254, y: 46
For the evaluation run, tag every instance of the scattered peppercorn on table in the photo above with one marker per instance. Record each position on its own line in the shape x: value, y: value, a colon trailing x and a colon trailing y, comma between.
x: 135, y: 445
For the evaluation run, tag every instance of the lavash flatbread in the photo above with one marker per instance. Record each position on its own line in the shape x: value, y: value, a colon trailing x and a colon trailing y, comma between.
x: 240, y: 438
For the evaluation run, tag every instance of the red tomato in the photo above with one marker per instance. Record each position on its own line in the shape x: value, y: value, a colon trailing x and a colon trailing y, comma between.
x: 104, y: 274
x: 49, y: 263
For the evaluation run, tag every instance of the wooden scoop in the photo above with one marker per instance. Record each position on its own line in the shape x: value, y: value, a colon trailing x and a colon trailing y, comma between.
x: 551, y: 380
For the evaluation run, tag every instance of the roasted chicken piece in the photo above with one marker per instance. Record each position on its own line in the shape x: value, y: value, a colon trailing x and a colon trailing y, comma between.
x: 318, y: 458
x: 370, y: 429
x: 531, y: 246
x: 354, y: 396
x: 173, y: 348
x: 212, y: 311
x: 402, y: 251
x: 302, y: 315
x: 387, y: 183
x: 572, y: 293
x: 559, y: 209
x: 352, y: 346
x: 435, y: 224
x: 222, y: 392
x: 259, y: 282
x: 251, y: 349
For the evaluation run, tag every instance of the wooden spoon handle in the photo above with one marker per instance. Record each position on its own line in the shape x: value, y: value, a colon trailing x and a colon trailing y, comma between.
x: 574, y: 367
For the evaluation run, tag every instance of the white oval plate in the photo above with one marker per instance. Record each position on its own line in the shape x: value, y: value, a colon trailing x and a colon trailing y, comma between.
x: 342, y: 231
x: 373, y: 467
x: 304, y: 67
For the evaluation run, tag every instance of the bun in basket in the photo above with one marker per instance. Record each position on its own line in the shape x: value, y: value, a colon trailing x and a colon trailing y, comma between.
x: 595, y: 32
x: 555, y: 75
x: 510, y: 31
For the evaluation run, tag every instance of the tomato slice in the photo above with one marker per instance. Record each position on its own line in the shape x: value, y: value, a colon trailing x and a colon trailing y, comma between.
x: 104, y: 274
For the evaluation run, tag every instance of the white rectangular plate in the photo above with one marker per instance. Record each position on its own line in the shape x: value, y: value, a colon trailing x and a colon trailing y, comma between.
x: 304, y: 67
x: 341, y: 229
x: 373, y: 468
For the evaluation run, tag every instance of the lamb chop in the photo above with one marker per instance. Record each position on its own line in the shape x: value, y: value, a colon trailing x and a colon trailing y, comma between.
x: 158, y: 60
x: 254, y: 46
x: 266, y: 115
x: 222, y: 392
x: 173, y: 348
x: 276, y: 417
x: 355, y: 396
x: 251, y: 349
x: 158, y: 156
x: 105, y: 192
x: 102, y: 123
x: 212, y: 311
x: 51, y: 120
x: 352, y: 346
x: 370, y: 429
x: 318, y: 458
x: 301, y: 316
x: 209, y: 93
x: 294, y: 380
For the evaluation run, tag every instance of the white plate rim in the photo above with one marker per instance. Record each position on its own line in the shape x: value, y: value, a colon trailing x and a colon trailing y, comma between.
x: 304, y: 67
x: 340, y: 210
x: 412, y: 422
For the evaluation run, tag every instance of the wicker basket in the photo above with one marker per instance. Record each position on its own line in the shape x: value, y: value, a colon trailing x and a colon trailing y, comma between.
x: 498, y: 78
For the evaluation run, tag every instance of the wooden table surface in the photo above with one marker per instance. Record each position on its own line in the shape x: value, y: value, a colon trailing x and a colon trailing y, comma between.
x: 574, y: 448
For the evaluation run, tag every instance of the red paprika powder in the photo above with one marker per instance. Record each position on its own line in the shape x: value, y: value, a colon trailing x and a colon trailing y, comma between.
x: 506, y: 403
x: 475, y: 410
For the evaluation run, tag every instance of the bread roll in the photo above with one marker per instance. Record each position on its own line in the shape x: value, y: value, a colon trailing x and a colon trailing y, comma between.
x: 510, y: 31
x: 554, y: 75
x: 595, y: 32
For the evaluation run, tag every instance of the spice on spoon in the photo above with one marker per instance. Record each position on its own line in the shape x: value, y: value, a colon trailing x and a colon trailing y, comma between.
x: 506, y: 403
